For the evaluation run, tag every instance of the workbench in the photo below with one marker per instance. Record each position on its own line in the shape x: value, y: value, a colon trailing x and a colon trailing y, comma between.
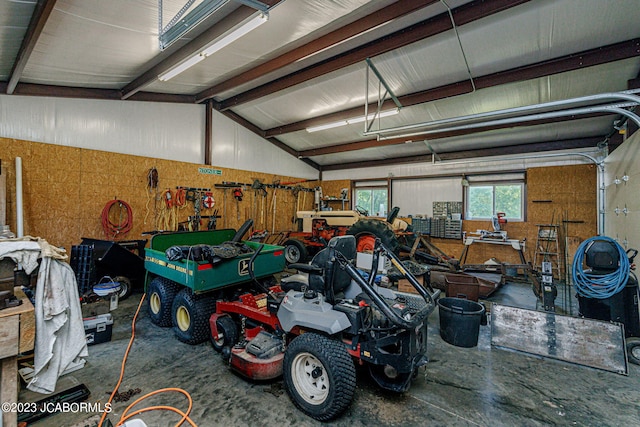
x: 517, y: 245
x: 17, y: 336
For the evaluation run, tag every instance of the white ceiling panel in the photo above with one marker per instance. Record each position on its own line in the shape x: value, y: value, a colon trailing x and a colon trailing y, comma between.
x: 290, y: 23
x: 14, y: 21
x: 546, y: 29
x: 598, y: 79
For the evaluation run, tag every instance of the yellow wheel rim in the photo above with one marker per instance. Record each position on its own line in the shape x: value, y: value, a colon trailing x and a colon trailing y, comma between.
x: 154, y: 302
x: 183, y: 318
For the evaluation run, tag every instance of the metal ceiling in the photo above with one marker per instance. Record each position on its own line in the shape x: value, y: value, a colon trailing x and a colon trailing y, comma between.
x: 307, y: 66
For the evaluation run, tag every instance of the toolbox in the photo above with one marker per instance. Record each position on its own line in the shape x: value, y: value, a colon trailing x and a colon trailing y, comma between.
x: 98, y: 329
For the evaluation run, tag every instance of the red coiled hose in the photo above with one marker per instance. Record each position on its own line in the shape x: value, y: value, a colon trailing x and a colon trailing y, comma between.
x: 112, y: 229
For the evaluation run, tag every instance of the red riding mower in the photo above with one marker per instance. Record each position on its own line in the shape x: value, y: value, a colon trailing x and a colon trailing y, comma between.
x: 315, y: 325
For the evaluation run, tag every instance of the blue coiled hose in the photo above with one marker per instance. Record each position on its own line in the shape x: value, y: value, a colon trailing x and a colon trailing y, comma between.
x: 599, y: 286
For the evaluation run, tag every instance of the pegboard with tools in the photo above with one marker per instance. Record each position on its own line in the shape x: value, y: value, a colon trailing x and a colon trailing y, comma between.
x: 202, y: 198
x: 266, y: 202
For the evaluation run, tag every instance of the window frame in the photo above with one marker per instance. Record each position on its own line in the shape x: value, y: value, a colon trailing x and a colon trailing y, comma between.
x: 496, y: 182
x: 371, y: 186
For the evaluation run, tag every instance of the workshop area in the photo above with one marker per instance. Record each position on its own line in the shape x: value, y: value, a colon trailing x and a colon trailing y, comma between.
x: 308, y: 212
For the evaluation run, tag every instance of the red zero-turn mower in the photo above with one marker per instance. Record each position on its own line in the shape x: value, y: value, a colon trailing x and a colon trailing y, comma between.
x: 315, y: 325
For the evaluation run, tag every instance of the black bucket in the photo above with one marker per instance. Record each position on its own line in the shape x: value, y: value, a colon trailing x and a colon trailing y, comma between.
x: 460, y: 321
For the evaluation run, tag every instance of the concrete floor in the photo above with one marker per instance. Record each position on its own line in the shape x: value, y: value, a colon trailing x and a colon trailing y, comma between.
x: 481, y: 386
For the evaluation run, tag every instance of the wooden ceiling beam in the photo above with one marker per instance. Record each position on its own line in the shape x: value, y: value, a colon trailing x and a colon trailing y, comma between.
x: 377, y: 18
x: 39, y: 18
x: 566, y: 63
x: 438, y: 24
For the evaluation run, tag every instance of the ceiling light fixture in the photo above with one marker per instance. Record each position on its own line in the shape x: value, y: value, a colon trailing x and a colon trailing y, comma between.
x: 353, y: 120
x: 180, y: 68
x: 226, y: 39
x: 235, y: 34
x: 374, y: 116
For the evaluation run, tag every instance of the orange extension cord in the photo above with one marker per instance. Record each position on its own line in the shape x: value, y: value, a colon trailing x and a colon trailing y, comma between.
x: 113, y: 229
x: 125, y: 417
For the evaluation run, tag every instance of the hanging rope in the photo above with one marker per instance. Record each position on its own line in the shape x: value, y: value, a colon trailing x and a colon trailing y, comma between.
x: 600, y: 286
x: 124, y: 215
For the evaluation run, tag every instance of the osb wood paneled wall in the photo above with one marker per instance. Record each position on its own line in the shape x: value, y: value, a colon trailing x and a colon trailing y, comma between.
x: 65, y: 190
x: 563, y: 195
x: 334, y: 189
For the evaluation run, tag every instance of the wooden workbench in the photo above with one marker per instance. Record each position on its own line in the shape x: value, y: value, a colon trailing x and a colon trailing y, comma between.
x: 17, y: 336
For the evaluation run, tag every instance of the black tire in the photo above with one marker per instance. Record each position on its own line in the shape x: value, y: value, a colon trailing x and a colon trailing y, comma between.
x: 633, y: 350
x: 228, y: 330
x: 125, y: 287
x: 190, y: 315
x: 319, y: 375
x: 160, y: 293
x: 380, y: 229
x: 295, y: 251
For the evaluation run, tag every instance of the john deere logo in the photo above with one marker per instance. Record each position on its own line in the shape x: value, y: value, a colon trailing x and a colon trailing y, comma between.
x: 243, y: 267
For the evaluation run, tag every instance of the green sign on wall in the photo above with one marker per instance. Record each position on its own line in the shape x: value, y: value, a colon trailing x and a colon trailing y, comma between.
x: 210, y: 171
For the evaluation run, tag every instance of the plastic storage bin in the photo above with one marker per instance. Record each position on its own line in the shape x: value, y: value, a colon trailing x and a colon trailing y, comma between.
x: 98, y: 329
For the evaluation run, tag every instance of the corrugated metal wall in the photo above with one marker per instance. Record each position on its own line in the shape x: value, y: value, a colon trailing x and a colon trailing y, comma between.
x: 622, y: 186
x: 150, y: 129
x: 416, y: 196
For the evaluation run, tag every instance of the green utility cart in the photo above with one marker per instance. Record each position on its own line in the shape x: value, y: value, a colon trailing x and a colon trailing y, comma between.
x: 182, y: 293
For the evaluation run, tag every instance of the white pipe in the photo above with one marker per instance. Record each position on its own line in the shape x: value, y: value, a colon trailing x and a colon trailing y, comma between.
x: 19, y: 209
x: 614, y: 108
x: 628, y: 95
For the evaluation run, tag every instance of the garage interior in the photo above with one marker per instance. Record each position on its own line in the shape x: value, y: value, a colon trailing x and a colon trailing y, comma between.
x: 183, y: 164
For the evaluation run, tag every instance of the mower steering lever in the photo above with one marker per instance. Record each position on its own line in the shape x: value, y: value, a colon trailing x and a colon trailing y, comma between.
x: 415, y: 321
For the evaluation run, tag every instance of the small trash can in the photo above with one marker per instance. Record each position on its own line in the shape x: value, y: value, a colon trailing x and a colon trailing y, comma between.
x: 460, y: 321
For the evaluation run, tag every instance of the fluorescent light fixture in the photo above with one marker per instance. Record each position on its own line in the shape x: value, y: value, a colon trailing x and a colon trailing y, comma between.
x: 218, y: 44
x: 374, y: 116
x: 180, y: 67
x: 352, y: 120
x: 327, y: 126
x: 236, y: 33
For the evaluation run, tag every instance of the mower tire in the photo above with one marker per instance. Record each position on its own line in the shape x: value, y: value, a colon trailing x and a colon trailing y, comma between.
x: 295, y: 251
x: 125, y: 287
x: 161, y: 292
x: 228, y: 331
x: 367, y: 228
x: 633, y: 350
x: 319, y: 375
x: 190, y: 315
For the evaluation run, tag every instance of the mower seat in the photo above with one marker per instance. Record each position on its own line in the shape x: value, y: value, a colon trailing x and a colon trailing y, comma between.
x: 322, y: 269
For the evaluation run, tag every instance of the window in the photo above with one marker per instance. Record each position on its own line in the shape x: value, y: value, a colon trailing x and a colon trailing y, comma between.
x: 372, y: 198
x: 486, y: 198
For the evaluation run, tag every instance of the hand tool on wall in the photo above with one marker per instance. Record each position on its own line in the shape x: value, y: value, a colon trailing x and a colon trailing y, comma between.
x: 276, y: 184
x: 224, y: 207
x: 237, y: 194
x: 296, y: 196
